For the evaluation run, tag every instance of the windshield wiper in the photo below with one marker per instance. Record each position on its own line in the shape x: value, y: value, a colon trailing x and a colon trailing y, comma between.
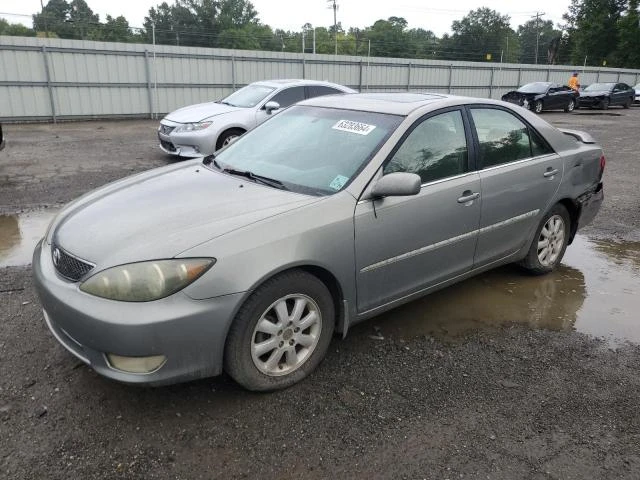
x: 271, y: 182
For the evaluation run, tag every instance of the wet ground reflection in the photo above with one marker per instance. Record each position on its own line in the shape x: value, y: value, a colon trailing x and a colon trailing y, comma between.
x: 596, y: 291
x: 19, y: 235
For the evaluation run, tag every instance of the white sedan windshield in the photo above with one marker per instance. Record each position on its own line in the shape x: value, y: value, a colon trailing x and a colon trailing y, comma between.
x: 248, y: 96
x: 311, y: 150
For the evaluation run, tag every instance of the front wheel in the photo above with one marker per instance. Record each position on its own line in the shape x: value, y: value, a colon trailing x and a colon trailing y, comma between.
x: 549, y: 242
x: 570, y: 106
x: 281, y: 333
x: 227, y: 137
x: 537, y: 106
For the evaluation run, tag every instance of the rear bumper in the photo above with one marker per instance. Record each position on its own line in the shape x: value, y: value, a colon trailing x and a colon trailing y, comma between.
x: 590, y: 204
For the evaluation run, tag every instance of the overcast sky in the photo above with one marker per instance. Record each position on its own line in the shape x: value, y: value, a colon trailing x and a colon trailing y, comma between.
x: 292, y: 14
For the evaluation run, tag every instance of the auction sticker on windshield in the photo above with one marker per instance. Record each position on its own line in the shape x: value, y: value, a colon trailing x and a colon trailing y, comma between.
x: 353, y: 127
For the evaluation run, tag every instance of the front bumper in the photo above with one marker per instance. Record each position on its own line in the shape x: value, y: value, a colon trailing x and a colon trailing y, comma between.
x: 190, y: 333
x: 590, y: 101
x: 187, y: 144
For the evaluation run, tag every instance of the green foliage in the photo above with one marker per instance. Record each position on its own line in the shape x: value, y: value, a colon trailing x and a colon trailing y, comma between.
x: 547, y: 38
x: 15, y: 29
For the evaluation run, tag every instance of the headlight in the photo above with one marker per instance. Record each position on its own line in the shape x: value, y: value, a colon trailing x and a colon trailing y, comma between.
x: 146, y: 281
x: 193, y: 127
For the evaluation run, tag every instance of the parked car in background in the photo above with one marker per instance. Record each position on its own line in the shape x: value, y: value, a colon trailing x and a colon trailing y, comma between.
x: 605, y: 95
x: 1, y: 138
x: 337, y: 209
x: 539, y: 96
x: 204, y: 128
x: 637, y: 90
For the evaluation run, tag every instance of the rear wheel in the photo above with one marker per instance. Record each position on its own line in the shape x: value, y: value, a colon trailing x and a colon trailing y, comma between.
x: 549, y: 242
x: 570, y: 106
x: 281, y: 333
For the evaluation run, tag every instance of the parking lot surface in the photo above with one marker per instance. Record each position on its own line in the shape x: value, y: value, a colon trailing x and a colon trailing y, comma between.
x: 503, y: 376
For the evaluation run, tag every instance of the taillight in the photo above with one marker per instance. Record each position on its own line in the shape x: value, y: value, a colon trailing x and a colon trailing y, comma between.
x: 603, y: 162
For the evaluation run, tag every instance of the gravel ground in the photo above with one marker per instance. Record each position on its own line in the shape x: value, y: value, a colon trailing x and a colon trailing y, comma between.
x: 503, y: 403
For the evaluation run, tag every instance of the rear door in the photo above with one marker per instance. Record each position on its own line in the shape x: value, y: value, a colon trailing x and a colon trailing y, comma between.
x: 404, y: 244
x: 519, y: 174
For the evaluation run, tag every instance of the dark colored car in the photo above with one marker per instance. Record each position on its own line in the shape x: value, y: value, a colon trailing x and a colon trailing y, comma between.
x: 604, y: 95
x: 1, y: 138
x: 539, y: 96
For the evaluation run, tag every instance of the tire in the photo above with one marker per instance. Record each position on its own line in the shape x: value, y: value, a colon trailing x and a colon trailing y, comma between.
x: 537, y: 106
x: 604, y: 104
x: 227, y: 136
x: 571, y: 106
x: 554, y: 228
x: 292, y: 312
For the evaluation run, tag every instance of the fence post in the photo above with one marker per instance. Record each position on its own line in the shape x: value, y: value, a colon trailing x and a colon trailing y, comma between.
x: 618, y: 81
x: 47, y: 72
x: 409, y: 77
x: 548, y: 74
x: 147, y: 70
x: 519, y: 77
x: 360, y: 88
x: 233, y: 72
x: 598, y: 77
x: 450, y: 78
x: 304, y: 67
x: 491, y: 83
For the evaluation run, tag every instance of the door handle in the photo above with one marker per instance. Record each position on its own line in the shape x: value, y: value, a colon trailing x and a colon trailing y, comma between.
x: 468, y: 196
x: 551, y: 173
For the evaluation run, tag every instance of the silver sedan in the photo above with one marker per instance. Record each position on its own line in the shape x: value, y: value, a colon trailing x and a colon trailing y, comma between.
x: 336, y: 210
x: 201, y: 129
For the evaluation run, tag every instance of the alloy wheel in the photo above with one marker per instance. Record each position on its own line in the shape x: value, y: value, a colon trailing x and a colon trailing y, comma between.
x: 229, y: 139
x: 551, y: 240
x: 286, y: 335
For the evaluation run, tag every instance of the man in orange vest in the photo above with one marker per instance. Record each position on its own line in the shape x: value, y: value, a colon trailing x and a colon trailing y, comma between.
x: 574, y: 83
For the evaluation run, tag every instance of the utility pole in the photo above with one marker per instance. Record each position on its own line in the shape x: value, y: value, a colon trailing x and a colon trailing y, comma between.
x: 332, y: 4
x: 537, y: 17
x: 46, y: 29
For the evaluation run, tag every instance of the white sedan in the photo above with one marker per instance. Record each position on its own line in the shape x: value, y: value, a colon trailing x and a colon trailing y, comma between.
x: 201, y: 129
x: 637, y: 89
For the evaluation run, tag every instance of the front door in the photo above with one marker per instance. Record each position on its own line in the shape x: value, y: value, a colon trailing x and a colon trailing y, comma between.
x: 520, y: 175
x: 404, y: 244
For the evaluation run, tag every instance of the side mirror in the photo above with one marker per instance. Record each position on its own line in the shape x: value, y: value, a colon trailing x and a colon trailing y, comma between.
x: 399, y: 184
x: 271, y: 106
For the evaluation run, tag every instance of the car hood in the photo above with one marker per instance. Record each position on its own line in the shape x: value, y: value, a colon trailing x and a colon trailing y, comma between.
x: 200, y: 112
x: 162, y: 213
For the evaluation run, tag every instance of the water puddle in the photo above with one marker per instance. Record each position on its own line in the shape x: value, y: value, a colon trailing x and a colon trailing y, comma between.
x: 606, y: 114
x: 595, y: 291
x: 19, y: 235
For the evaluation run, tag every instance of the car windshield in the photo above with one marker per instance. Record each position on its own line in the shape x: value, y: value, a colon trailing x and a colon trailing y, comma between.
x: 310, y: 150
x: 248, y: 96
x: 599, y: 87
x: 536, y: 87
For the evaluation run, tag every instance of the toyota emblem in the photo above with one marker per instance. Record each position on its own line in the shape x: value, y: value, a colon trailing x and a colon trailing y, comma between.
x: 56, y: 256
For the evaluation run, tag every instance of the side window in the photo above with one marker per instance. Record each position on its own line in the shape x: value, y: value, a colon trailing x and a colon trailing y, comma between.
x: 435, y: 149
x: 289, y: 96
x: 320, y: 90
x: 538, y: 145
x: 503, y: 137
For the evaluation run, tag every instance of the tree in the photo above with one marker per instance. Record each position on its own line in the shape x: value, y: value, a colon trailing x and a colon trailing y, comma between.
x: 388, y: 37
x: 592, y: 27
x: 482, y: 34
x: 527, y: 35
x: 629, y: 37
x: 116, y: 30
x: 15, y: 29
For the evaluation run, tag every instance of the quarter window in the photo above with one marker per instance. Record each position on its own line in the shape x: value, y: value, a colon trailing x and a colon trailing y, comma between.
x: 435, y: 149
x: 503, y: 138
x: 320, y: 90
x: 288, y: 97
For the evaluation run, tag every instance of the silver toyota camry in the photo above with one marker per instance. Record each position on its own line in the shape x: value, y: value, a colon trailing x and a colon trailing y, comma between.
x: 334, y: 211
x: 201, y: 129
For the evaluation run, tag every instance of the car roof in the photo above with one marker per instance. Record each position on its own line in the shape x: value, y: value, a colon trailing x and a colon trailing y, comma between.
x: 286, y: 82
x: 393, y: 103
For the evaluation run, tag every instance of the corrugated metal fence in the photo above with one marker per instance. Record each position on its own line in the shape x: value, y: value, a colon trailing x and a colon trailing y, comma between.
x: 53, y: 79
